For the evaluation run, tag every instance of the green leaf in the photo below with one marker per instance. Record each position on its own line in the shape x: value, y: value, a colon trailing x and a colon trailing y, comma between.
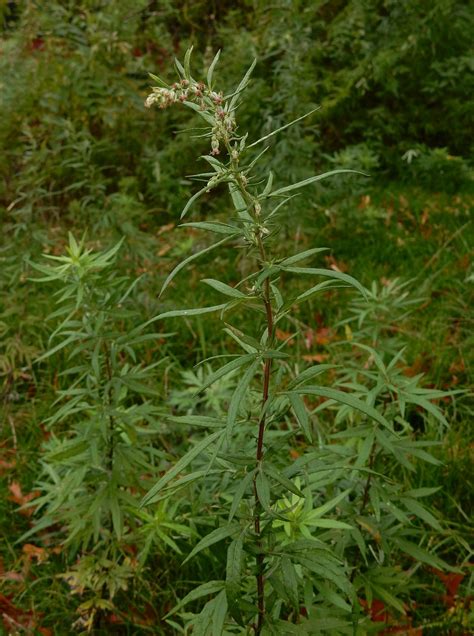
x: 329, y: 523
x: 420, y: 511
x: 57, y: 348
x: 428, y: 406
x: 191, y: 258
x: 210, y: 72
x: 329, y: 505
x: 263, y: 490
x: 223, y: 288
x: 419, y: 554
x: 234, y: 567
x: 186, y: 312
x: 239, y: 395
x: 241, y: 87
x: 219, y: 614
x: 384, y: 595
x: 324, y: 286
x: 187, y: 62
x: 291, y: 580
x: 227, y: 368
x: 210, y: 120
x: 219, y: 534
x: 310, y: 373
x: 277, y: 475
x: 296, y: 258
x: 328, y: 273
x: 346, y: 398
x: 333, y: 597
x: 158, y: 80
x: 310, y: 180
x: 275, y: 132
x: 299, y: 409
x: 203, y: 421
x: 239, y: 202
x: 218, y: 228
x: 240, y: 492
x: 179, y: 466
x: 68, y: 451
x: 206, y: 589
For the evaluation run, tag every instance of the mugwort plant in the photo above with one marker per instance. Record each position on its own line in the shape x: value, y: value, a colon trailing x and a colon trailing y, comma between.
x: 312, y: 537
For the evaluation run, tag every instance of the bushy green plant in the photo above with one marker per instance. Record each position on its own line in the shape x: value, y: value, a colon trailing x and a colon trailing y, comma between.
x: 336, y: 524
x: 435, y: 169
x: 96, y: 464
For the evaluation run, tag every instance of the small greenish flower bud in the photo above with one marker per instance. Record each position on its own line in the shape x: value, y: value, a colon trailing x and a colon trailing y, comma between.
x: 215, y: 146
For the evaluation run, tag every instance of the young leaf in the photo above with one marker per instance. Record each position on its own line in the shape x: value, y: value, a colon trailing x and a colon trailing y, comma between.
x: 310, y: 180
x: 210, y: 72
x: 329, y: 505
x: 186, y: 312
x: 328, y: 273
x: 191, y: 258
x: 219, y: 534
x: 275, y: 132
x: 179, y: 466
x: 346, y: 398
x: 296, y: 258
x: 238, y: 396
x: 227, y: 368
x: 299, y: 409
x: 218, y: 228
x: 241, y: 87
x: 263, y: 490
x: 206, y: 589
x: 240, y: 492
x: 227, y: 290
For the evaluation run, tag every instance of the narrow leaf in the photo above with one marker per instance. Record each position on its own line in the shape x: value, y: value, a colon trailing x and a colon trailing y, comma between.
x: 275, y: 132
x: 239, y: 395
x: 346, y: 398
x: 296, y: 258
x: 219, y: 534
x: 223, y: 288
x: 179, y: 466
x: 191, y: 258
x: 310, y: 180
x: 299, y: 409
x: 227, y: 368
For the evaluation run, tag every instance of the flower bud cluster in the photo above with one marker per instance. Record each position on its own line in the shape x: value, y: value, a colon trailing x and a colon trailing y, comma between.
x: 208, y: 100
x: 183, y: 91
x: 223, y: 127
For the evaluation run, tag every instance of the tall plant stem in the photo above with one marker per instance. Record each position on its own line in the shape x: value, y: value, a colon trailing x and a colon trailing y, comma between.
x: 261, y: 433
x: 265, y: 393
x: 111, y: 444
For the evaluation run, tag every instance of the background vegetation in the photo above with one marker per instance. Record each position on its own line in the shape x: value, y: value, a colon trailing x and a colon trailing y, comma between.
x: 81, y: 154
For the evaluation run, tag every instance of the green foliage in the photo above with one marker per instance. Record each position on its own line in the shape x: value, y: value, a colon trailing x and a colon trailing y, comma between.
x: 360, y: 420
x: 350, y: 545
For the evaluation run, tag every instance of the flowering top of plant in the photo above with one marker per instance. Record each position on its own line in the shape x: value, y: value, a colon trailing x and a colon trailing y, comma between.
x: 197, y: 95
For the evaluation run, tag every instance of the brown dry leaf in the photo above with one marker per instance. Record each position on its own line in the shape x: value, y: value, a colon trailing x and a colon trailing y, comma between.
x: 10, y: 575
x: 337, y: 266
x: 6, y: 465
x: 316, y: 357
x: 14, y: 618
x: 164, y: 250
x: 165, y: 228
x: 32, y: 551
x: 19, y: 498
x: 284, y: 335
